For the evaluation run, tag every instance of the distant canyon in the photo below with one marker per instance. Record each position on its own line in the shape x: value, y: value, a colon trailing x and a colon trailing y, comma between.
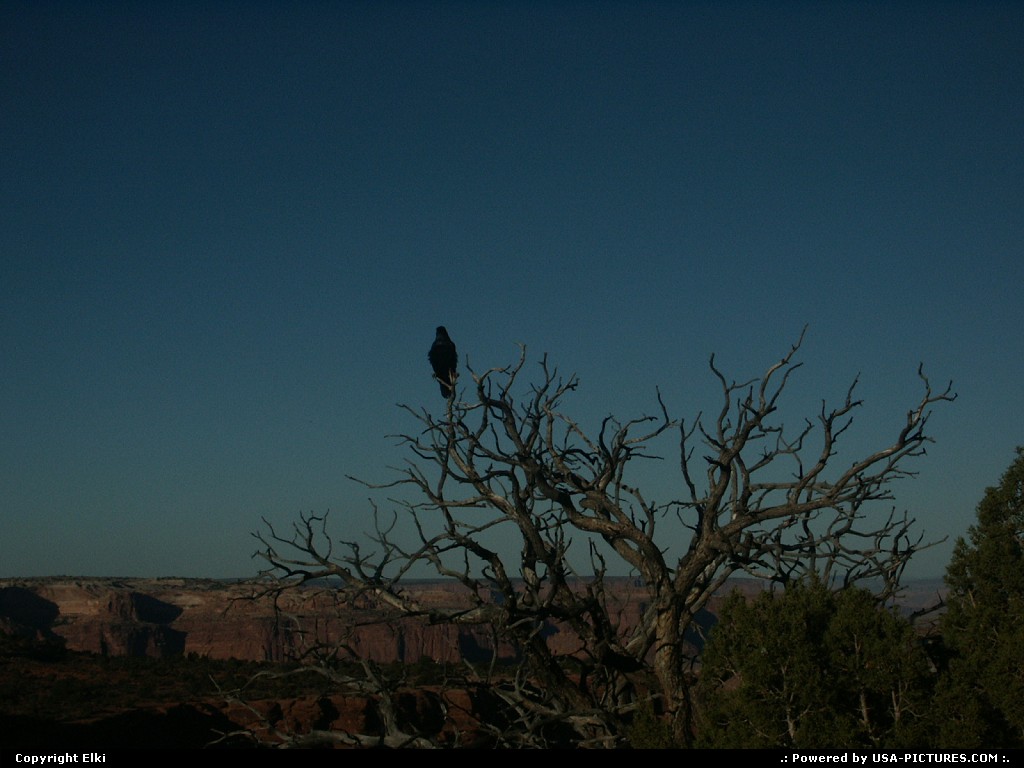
x: 221, y: 620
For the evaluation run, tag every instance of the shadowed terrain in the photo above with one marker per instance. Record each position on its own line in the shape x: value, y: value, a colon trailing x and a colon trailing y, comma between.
x: 153, y: 663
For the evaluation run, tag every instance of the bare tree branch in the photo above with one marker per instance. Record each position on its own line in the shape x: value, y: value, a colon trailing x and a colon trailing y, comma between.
x: 508, y: 465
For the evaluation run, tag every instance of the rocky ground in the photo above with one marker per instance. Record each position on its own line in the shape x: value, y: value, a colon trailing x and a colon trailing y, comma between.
x: 59, y: 700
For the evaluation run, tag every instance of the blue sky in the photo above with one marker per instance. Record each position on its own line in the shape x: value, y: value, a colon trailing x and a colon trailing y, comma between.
x: 228, y: 230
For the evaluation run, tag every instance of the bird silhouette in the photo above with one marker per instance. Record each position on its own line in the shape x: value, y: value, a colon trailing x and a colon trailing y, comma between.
x: 445, y: 361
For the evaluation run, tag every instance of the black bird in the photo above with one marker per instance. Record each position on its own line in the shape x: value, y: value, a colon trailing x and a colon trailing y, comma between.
x: 445, y: 361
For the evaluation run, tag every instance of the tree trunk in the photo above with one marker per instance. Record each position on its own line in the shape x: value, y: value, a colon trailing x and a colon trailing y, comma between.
x: 668, y: 667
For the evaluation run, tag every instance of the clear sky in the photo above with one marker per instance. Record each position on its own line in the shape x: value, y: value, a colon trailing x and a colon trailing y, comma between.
x: 228, y: 230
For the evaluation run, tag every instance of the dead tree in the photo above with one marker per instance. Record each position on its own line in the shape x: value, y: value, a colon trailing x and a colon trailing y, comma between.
x: 505, y: 464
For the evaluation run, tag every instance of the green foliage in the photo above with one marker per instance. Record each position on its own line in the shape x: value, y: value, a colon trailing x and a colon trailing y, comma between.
x: 811, y: 669
x: 648, y: 731
x: 980, y: 702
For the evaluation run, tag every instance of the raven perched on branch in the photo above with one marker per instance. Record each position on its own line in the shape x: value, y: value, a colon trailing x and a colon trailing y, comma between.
x: 445, y: 361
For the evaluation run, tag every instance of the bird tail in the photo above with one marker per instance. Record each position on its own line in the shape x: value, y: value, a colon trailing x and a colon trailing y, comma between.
x: 447, y: 385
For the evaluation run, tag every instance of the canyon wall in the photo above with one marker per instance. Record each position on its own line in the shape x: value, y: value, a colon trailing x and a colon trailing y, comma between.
x: 221, y: 619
